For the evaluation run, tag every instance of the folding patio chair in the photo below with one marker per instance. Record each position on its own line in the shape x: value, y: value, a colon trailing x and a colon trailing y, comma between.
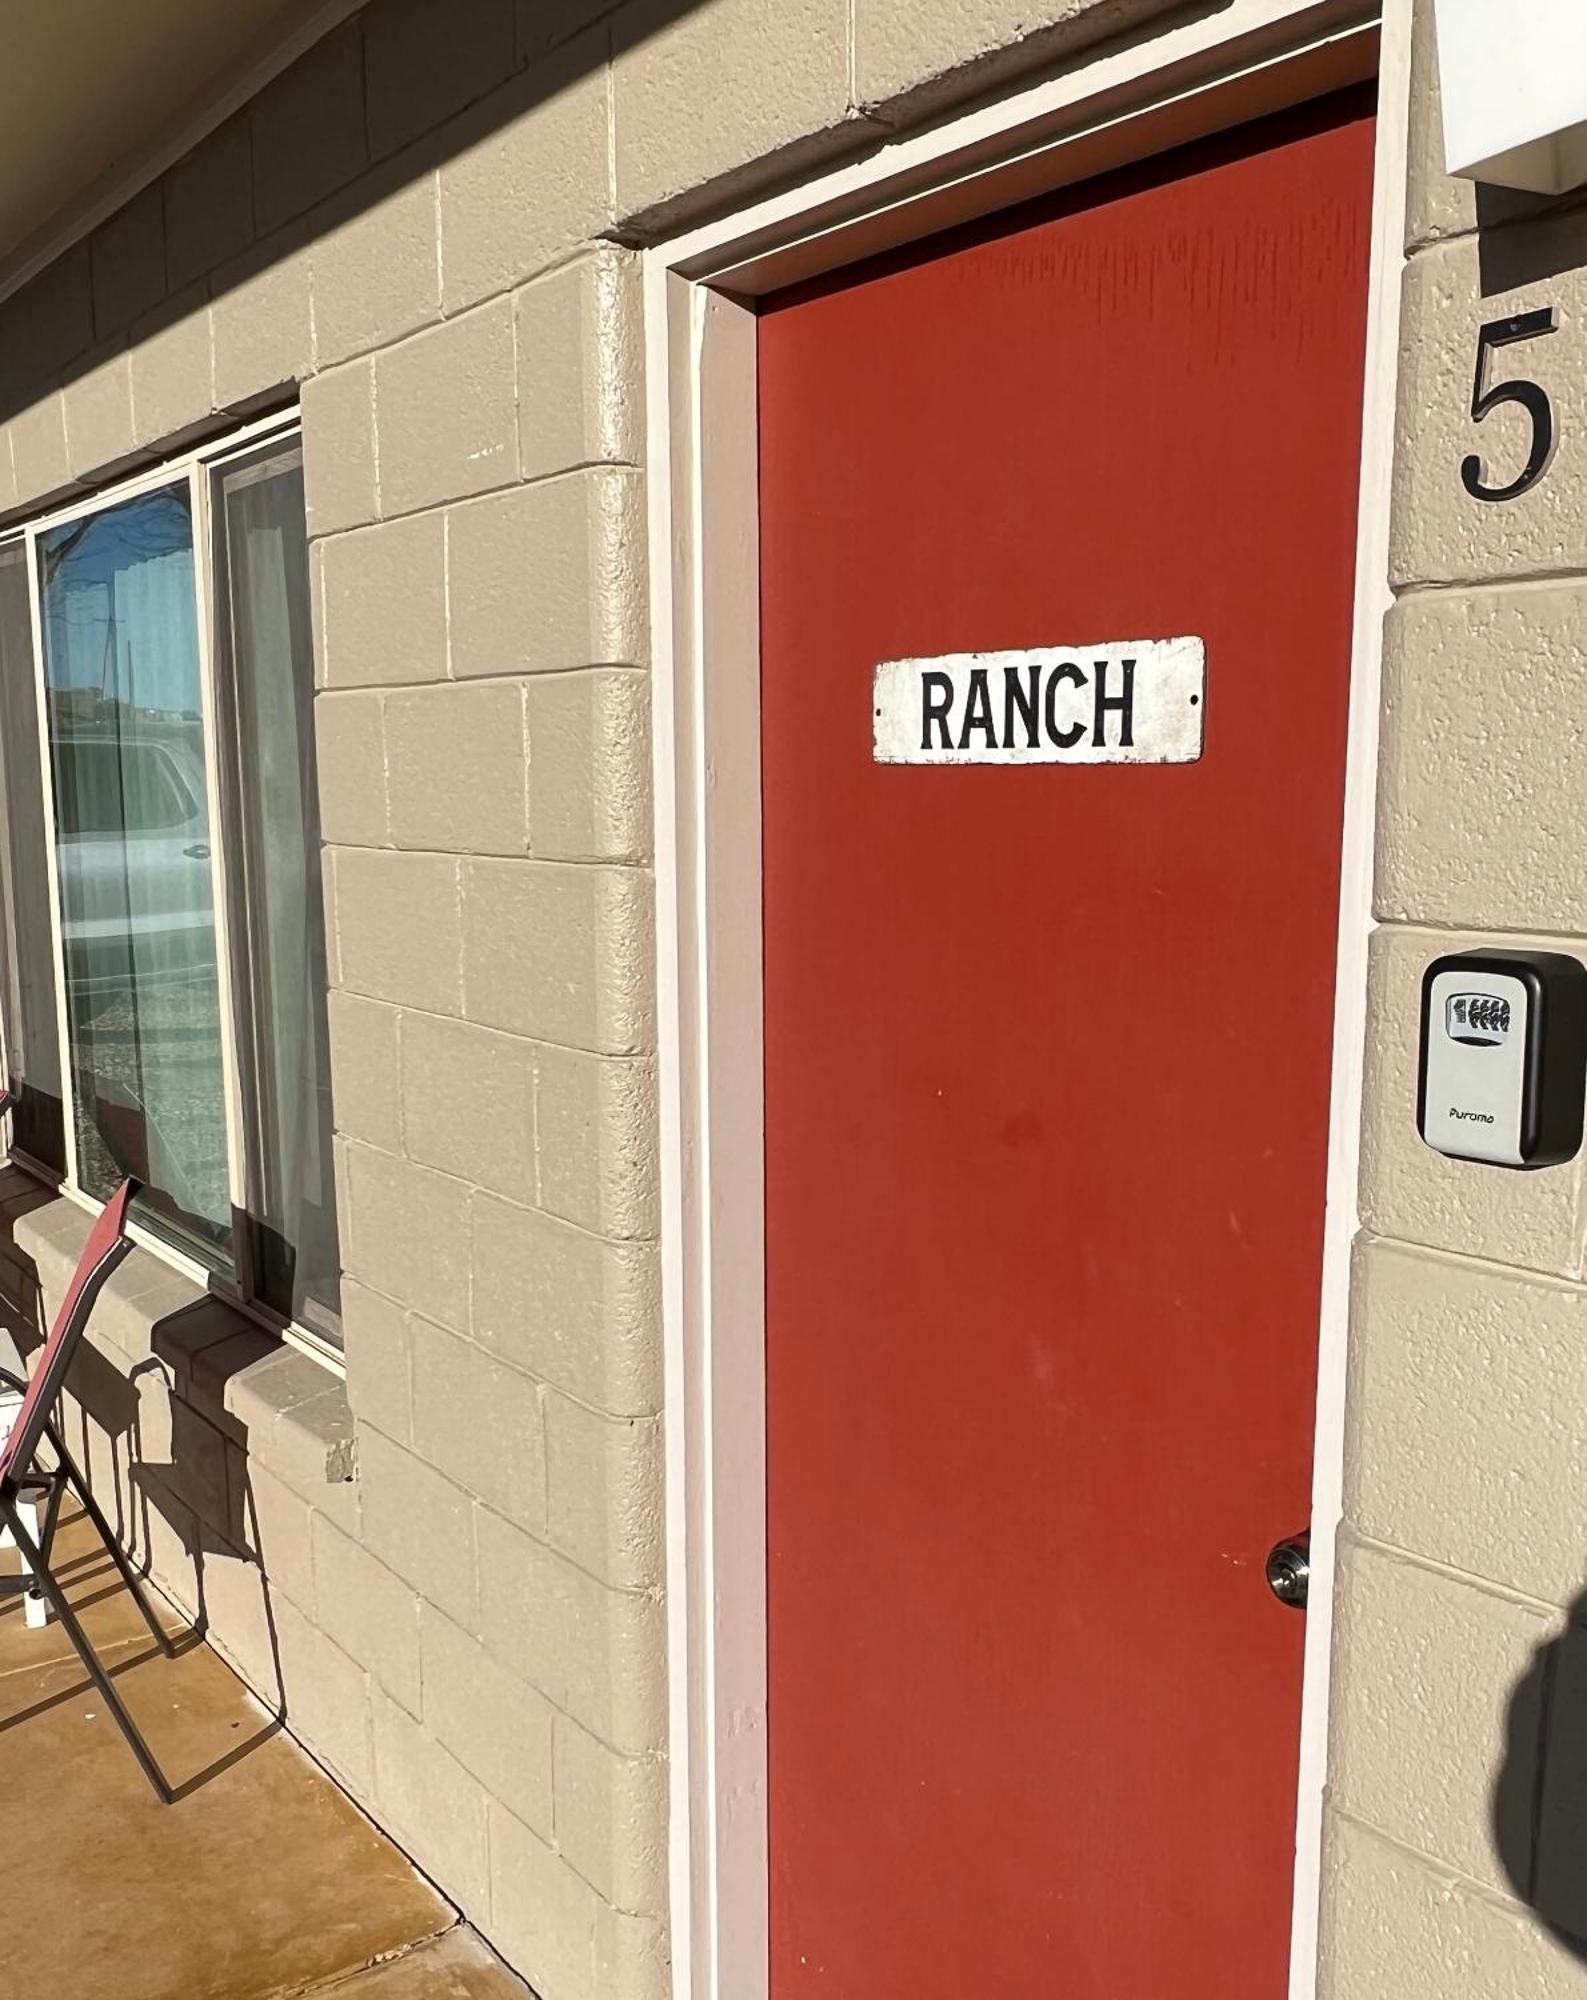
x: 24, y: 1476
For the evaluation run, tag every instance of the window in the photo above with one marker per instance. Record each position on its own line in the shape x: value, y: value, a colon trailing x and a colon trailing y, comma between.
x: 29, y: 997
x: 165, y: 938
x: 268, y: 646
x: 118, y: 621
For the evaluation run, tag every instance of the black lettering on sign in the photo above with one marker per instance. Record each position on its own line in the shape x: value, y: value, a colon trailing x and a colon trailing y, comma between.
x: 1122, y: 705
x: 936, y: 698
x: 1063, y: 739
x: 1027, y: 700
x: 978, y: 711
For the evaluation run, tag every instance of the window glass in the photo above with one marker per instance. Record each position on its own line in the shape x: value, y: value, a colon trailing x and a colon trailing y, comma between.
x: 32, y: 1021
x: 132, y: 840
x: 280, y: 939
x: 122, y: 788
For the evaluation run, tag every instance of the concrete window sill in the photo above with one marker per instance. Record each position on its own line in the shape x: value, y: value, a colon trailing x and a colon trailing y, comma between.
x: 288, y: 1412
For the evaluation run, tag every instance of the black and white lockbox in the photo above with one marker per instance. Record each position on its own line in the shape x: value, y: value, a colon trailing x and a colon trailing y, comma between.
x: 1504, y: 1057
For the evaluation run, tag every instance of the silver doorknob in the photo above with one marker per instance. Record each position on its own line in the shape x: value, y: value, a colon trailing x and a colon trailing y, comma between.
x: 1289, y: 1571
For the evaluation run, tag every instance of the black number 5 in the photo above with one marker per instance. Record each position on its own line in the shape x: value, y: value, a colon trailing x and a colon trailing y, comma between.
x: 1532, y: 398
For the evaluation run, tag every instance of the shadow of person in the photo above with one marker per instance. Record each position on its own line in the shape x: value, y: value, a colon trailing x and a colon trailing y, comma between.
x: 1539, y: 1805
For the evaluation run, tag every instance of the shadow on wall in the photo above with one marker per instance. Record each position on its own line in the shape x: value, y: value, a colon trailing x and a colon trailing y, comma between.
x: 378, y: 104
x: 1509, y: 258
x: 189, y: 1483
x: 163, y: 1472
x: 1540, y: 1798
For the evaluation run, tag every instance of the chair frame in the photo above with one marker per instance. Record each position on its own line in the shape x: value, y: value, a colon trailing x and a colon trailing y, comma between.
x: 23, y: 1478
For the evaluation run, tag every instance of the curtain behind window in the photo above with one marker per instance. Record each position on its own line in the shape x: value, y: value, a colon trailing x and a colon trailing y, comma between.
x: 296, y: 1253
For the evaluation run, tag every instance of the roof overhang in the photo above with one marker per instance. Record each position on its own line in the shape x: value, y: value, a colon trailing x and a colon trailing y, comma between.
x: 99, y: 96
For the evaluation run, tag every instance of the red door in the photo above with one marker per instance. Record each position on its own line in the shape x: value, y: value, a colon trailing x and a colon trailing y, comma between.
x: 1047, y: 1077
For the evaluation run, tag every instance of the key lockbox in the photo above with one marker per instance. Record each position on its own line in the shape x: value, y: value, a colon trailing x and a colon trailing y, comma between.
x: 1503, y: 1057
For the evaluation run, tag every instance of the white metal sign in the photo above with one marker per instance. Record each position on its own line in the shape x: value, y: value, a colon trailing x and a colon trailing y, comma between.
x: 1124, y: 701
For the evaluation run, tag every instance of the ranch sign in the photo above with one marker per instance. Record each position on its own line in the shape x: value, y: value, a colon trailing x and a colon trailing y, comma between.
x: 1125, y: 701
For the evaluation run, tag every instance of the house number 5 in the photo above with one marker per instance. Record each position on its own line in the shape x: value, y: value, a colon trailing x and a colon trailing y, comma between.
x: 1532, y: 397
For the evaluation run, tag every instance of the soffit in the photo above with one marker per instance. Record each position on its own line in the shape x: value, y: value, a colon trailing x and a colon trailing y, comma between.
x: 98, y: 95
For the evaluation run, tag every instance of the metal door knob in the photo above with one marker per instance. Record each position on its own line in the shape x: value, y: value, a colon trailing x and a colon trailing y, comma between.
x: 1289, y: 1571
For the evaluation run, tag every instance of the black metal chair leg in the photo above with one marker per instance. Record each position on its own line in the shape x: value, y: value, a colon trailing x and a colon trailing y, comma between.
x: 46, y: 1527
x: 118, y: 1555
x: 42, y: 1576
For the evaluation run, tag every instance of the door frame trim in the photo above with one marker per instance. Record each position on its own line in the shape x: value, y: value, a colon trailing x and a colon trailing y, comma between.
x: 1129, y: 100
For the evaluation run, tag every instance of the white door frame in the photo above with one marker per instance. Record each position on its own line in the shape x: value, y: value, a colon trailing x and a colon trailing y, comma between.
x: 1127, y: 102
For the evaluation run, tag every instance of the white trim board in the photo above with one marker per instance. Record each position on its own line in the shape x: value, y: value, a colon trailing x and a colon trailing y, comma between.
x: 1347, y: 1083
x: 1130, y: 101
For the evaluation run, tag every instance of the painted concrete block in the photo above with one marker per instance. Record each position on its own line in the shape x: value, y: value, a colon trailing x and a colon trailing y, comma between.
x: 589, y: 744
x: 340, y: 487
x: 1394, y: 1922
x: 562, y: 953
x: 527, y: 180
x: 549, y: 576
x: 308, y: 128
x: 1424, y: 1725
x: 727, y: 88
x: 566, y: 1305
x: 458, y: 768
x: 209, y: 204
x: 407, y: 1234
x: 350, y: 756
x: 448, y: 411
x: 595, y: 1652
x: 469, y: 1104
x: 419, y: 1524
x: 491, y: 1720
x: 481, y: 1423
x: 923, y: 55
x: 376, y: 269
x: 1457, y: 1363
x: 397, y: 925
x: 611, y: 1819
x: 604, y: 1487
x: 1483, y: 761
x: 369, y: 1611
x: 596, y: 1139
x: 383, y: 604
x: 580, y: 340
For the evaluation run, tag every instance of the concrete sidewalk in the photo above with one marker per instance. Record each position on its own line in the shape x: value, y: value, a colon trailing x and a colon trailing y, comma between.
x: 262, y: 1881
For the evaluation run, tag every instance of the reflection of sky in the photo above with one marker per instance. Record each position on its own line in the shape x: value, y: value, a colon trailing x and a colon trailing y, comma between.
x: 118, y: 606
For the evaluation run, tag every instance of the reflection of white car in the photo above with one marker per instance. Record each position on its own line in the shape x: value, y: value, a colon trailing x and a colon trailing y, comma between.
x: 134, y: 855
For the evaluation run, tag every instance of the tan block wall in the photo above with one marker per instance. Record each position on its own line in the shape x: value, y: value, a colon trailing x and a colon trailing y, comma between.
x: 1459, y: 1732
x: 420, y: 228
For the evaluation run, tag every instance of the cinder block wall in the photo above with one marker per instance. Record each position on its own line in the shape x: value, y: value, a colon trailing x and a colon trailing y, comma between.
x: 426, y: 227
x: 1457, y: 1849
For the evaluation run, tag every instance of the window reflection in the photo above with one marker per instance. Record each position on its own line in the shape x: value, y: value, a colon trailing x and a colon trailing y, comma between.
x: 121, y: 668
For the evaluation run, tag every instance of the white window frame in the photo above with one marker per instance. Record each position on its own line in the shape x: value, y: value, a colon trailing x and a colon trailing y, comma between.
x: 198, y: 466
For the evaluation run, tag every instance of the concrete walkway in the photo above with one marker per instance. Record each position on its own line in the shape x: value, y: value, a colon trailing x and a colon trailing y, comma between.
x: 262, y: 1881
